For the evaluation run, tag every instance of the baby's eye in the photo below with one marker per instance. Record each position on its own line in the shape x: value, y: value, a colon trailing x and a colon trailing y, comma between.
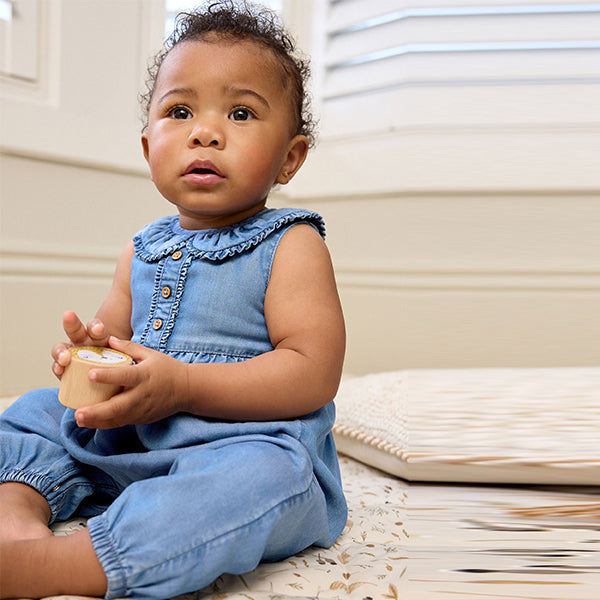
x: 180, y: 112
x: 241, y: 114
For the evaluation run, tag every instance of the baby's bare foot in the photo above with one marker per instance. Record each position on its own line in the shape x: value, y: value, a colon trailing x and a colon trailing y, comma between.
x: 13, y: 527
x: 52, y: 566
x: 24, y: 513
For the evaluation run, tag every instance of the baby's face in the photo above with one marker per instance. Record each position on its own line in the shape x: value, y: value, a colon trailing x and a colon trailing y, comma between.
x: 220, y: 131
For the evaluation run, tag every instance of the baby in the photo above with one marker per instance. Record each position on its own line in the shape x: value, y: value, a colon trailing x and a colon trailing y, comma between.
x: 218, y: 453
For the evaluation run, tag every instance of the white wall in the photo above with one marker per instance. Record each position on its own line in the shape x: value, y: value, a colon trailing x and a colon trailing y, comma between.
x: 74, y: 186
x: 473, y: 243
x: 465, y: 280
x: 62, y: 230
x: 461, y: 187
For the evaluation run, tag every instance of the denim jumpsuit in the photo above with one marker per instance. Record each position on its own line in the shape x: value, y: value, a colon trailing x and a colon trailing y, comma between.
x: 177, y: 503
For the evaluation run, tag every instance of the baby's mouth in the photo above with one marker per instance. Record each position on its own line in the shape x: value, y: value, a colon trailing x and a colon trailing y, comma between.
x: 203, y: 172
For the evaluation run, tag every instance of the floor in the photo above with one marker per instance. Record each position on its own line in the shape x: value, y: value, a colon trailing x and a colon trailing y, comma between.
x: 423, y: 541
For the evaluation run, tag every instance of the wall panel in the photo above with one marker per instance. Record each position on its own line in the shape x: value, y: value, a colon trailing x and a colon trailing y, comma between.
x: 83, y: 105
x: 400, y: 328
x: 466, y: 279
x: 62, y: 228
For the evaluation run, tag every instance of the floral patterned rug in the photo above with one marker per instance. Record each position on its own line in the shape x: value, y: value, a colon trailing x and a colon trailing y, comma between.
x: 437, y: 542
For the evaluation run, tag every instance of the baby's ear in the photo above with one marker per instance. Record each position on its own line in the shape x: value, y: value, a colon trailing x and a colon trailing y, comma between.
x: 145, y: 146
x: 297, y: 151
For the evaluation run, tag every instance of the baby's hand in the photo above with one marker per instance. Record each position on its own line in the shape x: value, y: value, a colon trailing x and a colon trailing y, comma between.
x: 153, y: 389
x: 94, y: 334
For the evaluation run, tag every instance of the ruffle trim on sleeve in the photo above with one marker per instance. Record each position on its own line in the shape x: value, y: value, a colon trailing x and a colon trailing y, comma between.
x: 165, y: 236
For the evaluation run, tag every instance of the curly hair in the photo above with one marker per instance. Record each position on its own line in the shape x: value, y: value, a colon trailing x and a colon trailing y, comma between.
x: 238, y: 20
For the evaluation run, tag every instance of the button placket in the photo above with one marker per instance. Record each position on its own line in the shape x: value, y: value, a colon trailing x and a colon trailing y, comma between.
x: 164, y: 297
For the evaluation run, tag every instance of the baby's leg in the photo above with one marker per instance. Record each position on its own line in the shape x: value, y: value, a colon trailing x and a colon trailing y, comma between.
x: 50, y: 566
x: 223, y: 508
x: 39, y: 480
x: 24, y: 513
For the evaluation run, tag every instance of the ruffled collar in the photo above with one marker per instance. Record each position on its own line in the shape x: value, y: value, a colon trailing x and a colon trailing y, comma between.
x: 165, y: 236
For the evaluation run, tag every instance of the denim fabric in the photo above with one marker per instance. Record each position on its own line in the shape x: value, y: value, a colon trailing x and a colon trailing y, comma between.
x: 215, y: 282
x: 176, y: 503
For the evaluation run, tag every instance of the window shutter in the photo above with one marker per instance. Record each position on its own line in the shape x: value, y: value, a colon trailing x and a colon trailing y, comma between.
x: 455, y: 64
x: 456, y: 95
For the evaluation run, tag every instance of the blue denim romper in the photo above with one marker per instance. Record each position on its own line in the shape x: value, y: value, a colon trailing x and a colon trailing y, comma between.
x: 177, y: 503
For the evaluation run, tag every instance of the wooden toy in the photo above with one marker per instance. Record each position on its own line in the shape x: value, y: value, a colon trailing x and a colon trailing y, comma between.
x: 76, y: 389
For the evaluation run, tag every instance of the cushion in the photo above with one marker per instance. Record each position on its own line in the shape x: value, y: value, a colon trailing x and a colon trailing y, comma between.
x: 503, y: 425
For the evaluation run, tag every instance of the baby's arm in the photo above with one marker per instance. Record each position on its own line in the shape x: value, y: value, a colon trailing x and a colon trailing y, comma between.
x: 300, y: 375
x: 113, y: 317
x: 306, y: 326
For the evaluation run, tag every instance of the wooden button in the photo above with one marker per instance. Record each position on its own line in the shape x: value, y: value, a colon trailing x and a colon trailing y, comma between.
x: 166, y: 291
x: 177, y: 255
x: 157, y: 324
